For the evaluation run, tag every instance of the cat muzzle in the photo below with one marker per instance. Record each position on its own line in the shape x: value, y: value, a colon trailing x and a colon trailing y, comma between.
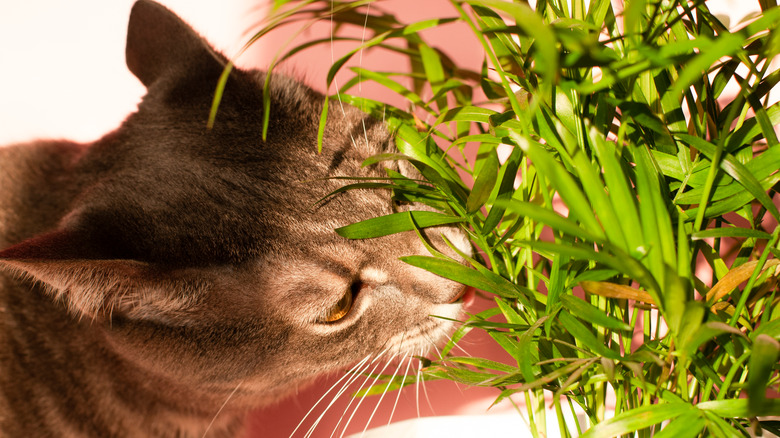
x: 467, y: 295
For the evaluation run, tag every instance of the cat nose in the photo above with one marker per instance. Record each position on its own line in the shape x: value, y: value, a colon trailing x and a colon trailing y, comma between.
x: 466, y: 295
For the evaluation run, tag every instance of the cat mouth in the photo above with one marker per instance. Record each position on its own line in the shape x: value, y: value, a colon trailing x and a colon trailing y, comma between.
x: 466, y: 296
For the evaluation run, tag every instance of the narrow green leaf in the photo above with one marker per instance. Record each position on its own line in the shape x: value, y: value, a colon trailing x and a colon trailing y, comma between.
x: 483, y: 182
x: 736, y: 408
x: 770, y: 328
x: 468, y: 114
x: 591, y: 313
x: 689, y: 326
x: 483, y: 363
x: 321, y: 128
x: 545, y: 43
x: 434, y: 72
x: 655, y: 215
x: 736, y: 170
x: 550, y: 218
x: 725, y: 45
x: 621, y: 193
x: 730, y: 232
x: 687, y: 425
x: 222, y: 82
x: 410, y: 29
x: 395, y: 223
x: 564, y: 183
x: 636, y: 419
x: 462, y: 274
x: 706, y: 332
x: 395, y: 86
x: 529, y: 353
x: 585, y: 337
x: 508, y: 343
x: 763, y: 358
x: 507, y: 177
x: 510, y: 314
x: 599, y: 201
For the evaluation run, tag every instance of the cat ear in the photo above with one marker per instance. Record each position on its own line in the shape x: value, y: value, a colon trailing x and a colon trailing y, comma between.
x: 89, y: 286
x: 159, y: 43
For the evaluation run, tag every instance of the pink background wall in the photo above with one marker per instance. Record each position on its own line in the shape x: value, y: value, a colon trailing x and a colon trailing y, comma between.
x: 63, y: 75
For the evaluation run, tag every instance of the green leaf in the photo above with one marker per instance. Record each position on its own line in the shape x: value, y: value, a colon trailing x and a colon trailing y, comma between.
x: 468, y: 114
x: 461, y: 375
x: 736, y: 170
x: 687, y: 425
x: 383, y: 79
x: 599, y: 200
x: 483, y: 363
x: 564, y: 183
x: 636, y: 419
x: 709, y: 52
x: 770, y: 328
x: 763, y: 358
x: 545, y: 43
x: 688, y: 328
x: 592, y: 314
x: 483, y: 182
x: 730, y: 232
x: 655, y: 216
x: 585, y: 337
x: 620, y: 189
x: 706, y: 332
x: 462, y: 274
x: 736, y: 408
x: 408, y: 30
x: 507, y: 177
x: 509, y: 313
x: 434, y: 72
x: 528, y: 351
x: 550, y: 218
x: 395, y: 223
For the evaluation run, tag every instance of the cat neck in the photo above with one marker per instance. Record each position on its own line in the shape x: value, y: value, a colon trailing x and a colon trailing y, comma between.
x: 107, y: 394
x: 67, y: 354
x: 38, y: 182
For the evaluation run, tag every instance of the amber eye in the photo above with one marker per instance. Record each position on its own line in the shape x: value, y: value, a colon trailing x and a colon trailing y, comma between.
x: 340, y: 309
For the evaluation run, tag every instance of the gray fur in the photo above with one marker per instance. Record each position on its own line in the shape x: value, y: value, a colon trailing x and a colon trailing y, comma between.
x: 148, y: 276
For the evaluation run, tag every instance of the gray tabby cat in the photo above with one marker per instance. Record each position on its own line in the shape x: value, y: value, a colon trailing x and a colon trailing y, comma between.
x: 150, y: 277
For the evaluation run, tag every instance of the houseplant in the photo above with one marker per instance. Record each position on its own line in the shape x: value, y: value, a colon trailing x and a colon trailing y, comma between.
x: 628, y: 236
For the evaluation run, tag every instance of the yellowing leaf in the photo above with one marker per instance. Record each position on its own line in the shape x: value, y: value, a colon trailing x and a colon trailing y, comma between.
x: 611, y: 290
x: 734, y: 278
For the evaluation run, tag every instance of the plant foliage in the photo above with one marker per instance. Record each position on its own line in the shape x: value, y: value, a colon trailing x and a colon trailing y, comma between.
x: 618, y: 151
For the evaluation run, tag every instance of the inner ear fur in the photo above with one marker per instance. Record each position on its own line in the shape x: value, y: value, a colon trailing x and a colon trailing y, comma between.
x: 95, y: 287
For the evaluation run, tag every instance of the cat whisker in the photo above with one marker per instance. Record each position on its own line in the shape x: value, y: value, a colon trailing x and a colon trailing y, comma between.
x: 384, y: 392
x: 425, y: 389
x: 355, y: 377
x: 457, y: 345
x: 347, y: 374
x: 205, y: 432
x: 356, y: 374
x: 409, y: 358
x: 354, y: 411
x: 417, y: 383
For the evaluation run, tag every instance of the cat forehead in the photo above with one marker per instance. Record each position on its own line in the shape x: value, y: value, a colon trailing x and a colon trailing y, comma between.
x: 166, y: 187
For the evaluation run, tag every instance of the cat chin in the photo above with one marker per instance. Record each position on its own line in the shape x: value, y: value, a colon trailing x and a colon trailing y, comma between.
x: 428, y: 335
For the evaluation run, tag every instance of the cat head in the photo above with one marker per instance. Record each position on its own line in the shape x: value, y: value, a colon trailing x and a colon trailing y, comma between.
x: 203, y: 255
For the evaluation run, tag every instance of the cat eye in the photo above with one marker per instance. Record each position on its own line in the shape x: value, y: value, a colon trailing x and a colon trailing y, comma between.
x: 343, y: 306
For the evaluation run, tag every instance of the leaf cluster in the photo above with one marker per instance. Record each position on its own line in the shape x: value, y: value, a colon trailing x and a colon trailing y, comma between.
x: 623, y: 205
